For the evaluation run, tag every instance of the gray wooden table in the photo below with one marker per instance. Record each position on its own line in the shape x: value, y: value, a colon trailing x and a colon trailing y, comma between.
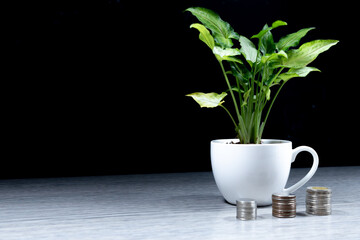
x: 166, y: 206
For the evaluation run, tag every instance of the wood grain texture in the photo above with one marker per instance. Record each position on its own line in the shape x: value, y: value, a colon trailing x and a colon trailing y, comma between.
x: 166, y: 206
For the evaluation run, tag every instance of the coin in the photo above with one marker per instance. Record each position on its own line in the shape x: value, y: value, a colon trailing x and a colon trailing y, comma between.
x: 318, y: 190
x: 318, y: 201
x: 283, y: 205
x: 246, y: 209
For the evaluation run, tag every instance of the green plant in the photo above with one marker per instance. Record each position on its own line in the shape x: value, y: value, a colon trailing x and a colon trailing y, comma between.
x: 253, y: 70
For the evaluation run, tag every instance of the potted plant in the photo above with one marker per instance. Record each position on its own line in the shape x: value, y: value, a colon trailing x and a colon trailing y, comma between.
x: 250, y: 166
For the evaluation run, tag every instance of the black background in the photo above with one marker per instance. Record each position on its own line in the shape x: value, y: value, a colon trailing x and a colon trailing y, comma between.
x: 98, y: 87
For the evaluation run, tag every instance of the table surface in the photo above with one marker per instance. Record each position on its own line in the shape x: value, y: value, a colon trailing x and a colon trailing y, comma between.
x: 166, y: 206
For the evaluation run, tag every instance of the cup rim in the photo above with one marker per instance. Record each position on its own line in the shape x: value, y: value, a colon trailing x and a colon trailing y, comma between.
x: 264, y: 142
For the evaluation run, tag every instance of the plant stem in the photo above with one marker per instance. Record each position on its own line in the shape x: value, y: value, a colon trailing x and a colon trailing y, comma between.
x: 231, y: 91
x: 254, y: 78
x: 229, y: 115
x: 240, y: 97
x: 277, y: 93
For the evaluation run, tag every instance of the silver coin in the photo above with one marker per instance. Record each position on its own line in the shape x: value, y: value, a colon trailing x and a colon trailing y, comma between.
x: 318, y: 201
x: 248, y: 216
x: 318, y: 213
x: 246, y: 202
x: 319, y: 190
x: 317, y: 198
x: 246, y: 209
x: 318, y: 207
x: 318, y: 195
x: 310, y: 202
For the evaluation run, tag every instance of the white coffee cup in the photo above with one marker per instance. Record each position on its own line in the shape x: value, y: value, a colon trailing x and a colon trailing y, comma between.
x: 256, y: 170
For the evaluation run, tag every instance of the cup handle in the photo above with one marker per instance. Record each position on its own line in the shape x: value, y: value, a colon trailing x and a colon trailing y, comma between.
x: 312, y: 171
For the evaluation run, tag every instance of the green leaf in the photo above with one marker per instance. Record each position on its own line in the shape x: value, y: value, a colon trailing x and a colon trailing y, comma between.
x: 307, y: 53
x: 261, y: 33
x: 223, y: 42
x: 295, y: 72
x: 204, y: 35
x: 240, y: 72
x: 278, y: 23
x: 241, y: 129
x: 209, y: 100
x: 268, y: 92
x: 226, y: 52
x: 232, y: 59
x: 261, y: 128
x: 246, y: 96
x: 221, y: 30
x: 248, y: 49
x: 270, y: 62
x: 235, y: 89
x: 292, y: 40
x: 267, y: 45
x: 266, y: 28
x: 278, y: 58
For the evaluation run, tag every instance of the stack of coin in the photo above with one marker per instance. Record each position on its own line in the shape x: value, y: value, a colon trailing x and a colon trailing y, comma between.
x: 283, y: 205
x: 318, y: 201
x: 246, y: 209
